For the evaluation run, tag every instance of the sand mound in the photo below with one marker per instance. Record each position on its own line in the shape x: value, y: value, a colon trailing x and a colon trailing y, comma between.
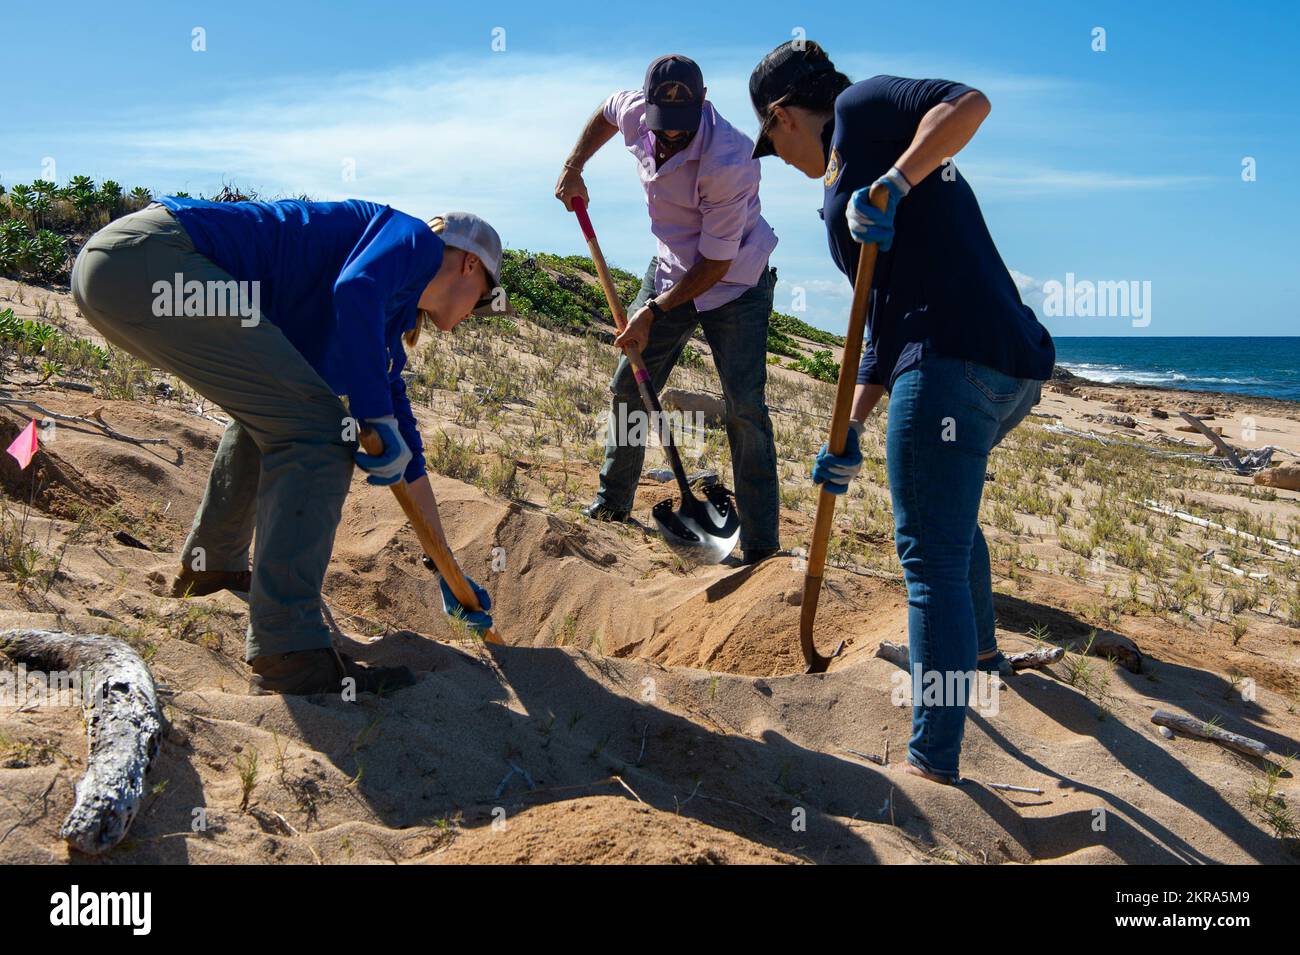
x: 559, y: 583
x: 606, y: 830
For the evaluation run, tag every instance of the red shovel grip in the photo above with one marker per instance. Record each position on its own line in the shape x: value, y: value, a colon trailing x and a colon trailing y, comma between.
x: 584, y: 221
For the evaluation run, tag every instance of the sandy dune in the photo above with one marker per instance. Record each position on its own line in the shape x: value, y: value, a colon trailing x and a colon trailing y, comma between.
x: 639, y: 714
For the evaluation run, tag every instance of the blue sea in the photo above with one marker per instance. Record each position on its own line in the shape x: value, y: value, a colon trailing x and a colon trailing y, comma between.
x: 1264, y: 367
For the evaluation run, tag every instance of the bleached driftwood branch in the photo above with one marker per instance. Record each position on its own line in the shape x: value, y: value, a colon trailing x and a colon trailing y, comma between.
x: 1037, y: 657
x: 95, y: 420
x: 897, y: 654
x: 123, y: 727
x: 1208, y: 524
x: 1202, y: 730
x: 1256, y: 460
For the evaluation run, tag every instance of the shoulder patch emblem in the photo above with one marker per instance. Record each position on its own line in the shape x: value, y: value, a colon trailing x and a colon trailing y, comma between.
x: 832, y: 169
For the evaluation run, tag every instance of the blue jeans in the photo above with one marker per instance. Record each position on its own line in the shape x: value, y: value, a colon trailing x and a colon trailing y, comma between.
x: 737, y: 335
x: 945, y: 415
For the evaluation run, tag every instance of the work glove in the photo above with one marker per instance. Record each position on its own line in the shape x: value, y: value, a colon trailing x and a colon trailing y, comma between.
x: 835, y: 471
x: 479, y: 620
x: 869, y: 224
x: 386, y: 468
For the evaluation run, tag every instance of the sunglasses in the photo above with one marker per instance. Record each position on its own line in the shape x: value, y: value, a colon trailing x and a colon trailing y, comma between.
x: 765, y: 128
x: 486, y: 299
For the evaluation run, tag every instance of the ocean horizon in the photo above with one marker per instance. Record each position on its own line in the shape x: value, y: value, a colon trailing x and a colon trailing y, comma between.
x: 1258, y: 366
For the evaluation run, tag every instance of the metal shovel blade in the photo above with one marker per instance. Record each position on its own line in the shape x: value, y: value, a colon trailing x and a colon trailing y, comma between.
x: 700, y: 532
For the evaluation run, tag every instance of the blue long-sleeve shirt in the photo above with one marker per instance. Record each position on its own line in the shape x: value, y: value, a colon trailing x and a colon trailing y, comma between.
x: 340, y: 279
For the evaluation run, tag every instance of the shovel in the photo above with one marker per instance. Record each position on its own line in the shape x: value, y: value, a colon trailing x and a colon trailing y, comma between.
x: 700, y: 531
x: 434, y: 545
x: 812, y: 581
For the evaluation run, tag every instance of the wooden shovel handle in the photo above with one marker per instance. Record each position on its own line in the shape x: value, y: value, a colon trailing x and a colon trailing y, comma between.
x: 606, y: 280
x: 431, y: 540
x: 639, y: 370
x: 844, y: 388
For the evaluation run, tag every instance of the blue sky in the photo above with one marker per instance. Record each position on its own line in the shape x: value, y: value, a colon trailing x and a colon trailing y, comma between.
x: 1123, y: 165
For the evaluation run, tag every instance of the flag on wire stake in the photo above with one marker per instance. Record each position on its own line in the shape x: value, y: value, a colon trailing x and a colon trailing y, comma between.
x: 24, y: 446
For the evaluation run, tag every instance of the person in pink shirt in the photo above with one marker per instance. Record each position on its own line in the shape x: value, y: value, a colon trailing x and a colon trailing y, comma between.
x: 711, y: 272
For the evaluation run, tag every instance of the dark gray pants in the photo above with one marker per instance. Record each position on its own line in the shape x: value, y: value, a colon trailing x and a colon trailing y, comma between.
x: 737, y: 336
x: 282, y: 465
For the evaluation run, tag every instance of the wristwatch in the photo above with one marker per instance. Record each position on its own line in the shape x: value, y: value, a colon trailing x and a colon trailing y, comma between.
x: 655, y: 308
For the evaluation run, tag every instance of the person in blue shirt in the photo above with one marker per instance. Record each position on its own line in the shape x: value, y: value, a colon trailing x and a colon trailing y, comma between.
x: 273, y: 310
x: 948, y: 337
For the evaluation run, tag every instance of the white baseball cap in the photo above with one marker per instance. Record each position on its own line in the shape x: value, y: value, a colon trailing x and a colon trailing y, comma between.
x: 469, y: 233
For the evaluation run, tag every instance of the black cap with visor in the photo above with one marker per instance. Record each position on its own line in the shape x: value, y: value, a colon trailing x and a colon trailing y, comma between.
x: 777, y: 75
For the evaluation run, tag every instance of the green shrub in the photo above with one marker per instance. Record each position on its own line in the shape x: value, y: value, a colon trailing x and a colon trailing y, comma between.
x: 819, y: 365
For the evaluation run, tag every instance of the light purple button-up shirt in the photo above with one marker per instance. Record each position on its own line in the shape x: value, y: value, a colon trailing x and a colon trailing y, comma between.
x: 703, y: 202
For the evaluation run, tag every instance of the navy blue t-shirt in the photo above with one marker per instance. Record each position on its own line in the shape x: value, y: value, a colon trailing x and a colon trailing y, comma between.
x: 942, y: 285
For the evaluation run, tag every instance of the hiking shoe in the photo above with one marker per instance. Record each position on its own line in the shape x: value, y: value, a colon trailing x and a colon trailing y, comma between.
x: 597, y: 511
x: 321, y: 671
x: 200, y: 583
x: 757, y: 555
x: 996, y: 664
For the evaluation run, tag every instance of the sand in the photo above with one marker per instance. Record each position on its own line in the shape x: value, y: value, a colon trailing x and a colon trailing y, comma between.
x: 639, y: 713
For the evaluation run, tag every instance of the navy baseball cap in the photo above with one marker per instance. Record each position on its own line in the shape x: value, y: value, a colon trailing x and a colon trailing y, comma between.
x: 674, y: 93
x: 776, y: 75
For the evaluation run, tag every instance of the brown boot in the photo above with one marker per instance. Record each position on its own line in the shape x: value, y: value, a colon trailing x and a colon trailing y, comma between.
x: 200, y: 583
x: 321, y: 671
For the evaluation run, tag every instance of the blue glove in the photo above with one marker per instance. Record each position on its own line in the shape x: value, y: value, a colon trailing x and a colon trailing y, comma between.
x: 869, y: 224
x: 386, y: 468
x: 478, y: 621
x: 835, y: 471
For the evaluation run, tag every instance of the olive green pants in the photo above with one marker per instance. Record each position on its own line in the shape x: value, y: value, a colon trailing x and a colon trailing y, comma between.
x: 282, y: 466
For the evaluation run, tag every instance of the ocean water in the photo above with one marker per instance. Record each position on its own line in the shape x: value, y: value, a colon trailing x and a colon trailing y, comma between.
x: 1265, y: 367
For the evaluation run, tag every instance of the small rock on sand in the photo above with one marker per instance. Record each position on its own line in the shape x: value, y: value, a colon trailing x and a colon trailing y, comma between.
x: 1285, y: 476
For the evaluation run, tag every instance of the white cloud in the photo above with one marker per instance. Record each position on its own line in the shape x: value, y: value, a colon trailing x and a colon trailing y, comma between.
x: 1010, y: 179
x: 489, y: 134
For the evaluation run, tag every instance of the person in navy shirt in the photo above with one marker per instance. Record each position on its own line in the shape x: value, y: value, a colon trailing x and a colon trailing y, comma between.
x: 948, y: 338
x: 273, y: 310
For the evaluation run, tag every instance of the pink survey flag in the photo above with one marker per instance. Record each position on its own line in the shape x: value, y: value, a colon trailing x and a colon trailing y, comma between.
x: 24, y: 446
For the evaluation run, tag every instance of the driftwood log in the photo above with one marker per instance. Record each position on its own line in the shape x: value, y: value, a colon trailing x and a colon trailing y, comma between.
x: 1203, y: 730
x: 1212, y: 525
x: 897, y: 654
x: 1115, y: 647
x: 1224, y: 448
x: 1037, y: 657
x: 123, y: 727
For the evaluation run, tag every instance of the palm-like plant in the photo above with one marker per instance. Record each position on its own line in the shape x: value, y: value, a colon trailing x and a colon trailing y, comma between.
x: 21, y: 198
x: 10, y: 325
x: 78, y: 184
x: 13, y: 231
x: 42, y: 203
x: 110, y: 196
x: 86, y: 201
x: 25, y: 254
x: 50, y: 255
x: 141, y: 197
